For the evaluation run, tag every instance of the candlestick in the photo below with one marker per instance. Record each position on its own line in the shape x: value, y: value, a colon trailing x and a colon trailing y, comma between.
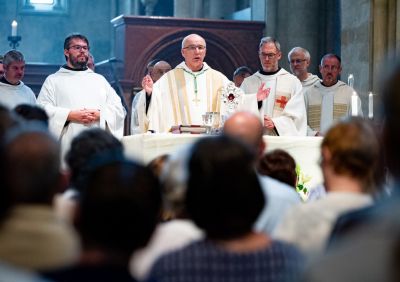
x: 350, y: 80
x: 354, y: 104
x: 14, y: 26
x: 371, y: 105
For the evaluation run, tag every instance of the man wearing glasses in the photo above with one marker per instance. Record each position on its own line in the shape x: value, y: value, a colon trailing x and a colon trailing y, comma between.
x: 76, y: 98
x: 329, y: 100
x: 282, y: 111
x: 299, y: 60
x: 190, y: 90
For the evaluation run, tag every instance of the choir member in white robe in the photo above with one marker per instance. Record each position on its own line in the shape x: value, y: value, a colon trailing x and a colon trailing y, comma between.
x: 13, y: 91
x: 299, y: 60
x: 283, y: 111
x: 329, y: 100
x: 141, y: 101
x: 190, y: 90
x: 75, y: 98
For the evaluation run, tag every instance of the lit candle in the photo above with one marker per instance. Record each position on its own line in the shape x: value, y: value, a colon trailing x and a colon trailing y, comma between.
x: 14, y: 26
x: 350, y: 80
x: 370, y: 105
x: 354, y: 104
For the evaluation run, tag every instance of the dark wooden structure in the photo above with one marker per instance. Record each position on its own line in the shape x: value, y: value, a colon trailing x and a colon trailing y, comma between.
x: 138, y: 40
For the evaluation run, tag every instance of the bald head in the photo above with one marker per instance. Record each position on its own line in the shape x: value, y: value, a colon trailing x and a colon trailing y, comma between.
x: 246, y: 127
x: 159, y: 69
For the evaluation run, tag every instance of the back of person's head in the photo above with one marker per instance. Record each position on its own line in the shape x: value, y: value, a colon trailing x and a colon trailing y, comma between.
x: 224, y: 197
x: 246, y: 127
x: 354, y: 151
x: 32, y: 112
x: 87, y: 146
x: 119, y: 208
x: 32, y: 171
x: 280, y: 165
x: 12, y: 56
x: 157, y: 164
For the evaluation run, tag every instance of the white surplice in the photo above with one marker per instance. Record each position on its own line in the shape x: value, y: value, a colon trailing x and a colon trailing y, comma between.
x: 14, y: 95
x: 68, y: 90
x: 285, y: 102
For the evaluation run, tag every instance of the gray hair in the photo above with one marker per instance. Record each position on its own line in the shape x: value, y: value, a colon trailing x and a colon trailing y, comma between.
x: 269, y: 39
x: 186, y: 38
x: 299, y: 49
x: 13, y: 56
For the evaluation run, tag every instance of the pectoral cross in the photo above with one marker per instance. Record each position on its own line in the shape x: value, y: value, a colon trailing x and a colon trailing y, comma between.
x: 196, y: 99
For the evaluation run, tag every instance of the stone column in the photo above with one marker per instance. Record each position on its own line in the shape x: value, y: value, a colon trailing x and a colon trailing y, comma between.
x: 183, y: 8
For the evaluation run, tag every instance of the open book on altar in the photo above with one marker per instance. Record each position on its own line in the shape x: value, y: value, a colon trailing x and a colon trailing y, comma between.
x: 193, y: 129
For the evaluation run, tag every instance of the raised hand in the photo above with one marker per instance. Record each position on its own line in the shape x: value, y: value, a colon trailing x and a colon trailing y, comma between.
x: 262, y: 93
x: 147, y: 84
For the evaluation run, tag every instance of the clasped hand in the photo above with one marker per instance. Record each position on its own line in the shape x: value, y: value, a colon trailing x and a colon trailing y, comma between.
x: 85, y: 116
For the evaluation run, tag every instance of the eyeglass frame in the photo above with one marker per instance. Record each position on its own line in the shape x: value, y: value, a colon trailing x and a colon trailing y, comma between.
x: 79, y: 48
x: 194, y: 47
x: 270, y: 56
x: 297, y: 61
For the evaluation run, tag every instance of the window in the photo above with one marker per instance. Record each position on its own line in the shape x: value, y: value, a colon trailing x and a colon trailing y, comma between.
x: 51, y: 7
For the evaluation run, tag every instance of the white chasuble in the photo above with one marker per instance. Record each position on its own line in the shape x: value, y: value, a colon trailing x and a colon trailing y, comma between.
x: 284, y: 104
x: 182, y: 97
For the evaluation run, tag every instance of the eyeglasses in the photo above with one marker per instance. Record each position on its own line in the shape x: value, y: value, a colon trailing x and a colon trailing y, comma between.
x: 297, y: 61
x: 79, y: 48
x: 194, y: 47
x: 269, y: 55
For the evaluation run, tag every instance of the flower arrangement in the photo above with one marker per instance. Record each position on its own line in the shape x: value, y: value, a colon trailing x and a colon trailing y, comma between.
x: 302, y: 180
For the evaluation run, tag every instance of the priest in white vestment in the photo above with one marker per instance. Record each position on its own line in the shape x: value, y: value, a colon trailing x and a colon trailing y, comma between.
x: 299, y: 60
x: 13, y: 91
x: 283, y: 111
x: 142, y: 99
x: 193, y: 88
x: 328, y: 100
x: 76, y: 98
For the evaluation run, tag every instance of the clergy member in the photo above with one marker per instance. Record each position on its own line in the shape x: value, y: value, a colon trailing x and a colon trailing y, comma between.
x: 283, y: 111
x: 193, y: 88
x: 76, y: 98
x: 328, y: 100
x: 13, y: 91
x: 141, y: 102
x: 299, y: 60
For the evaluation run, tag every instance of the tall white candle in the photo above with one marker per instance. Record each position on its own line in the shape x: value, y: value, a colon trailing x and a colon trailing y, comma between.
x: 370, y: 105
x: 350, y: 80
x: 14, y: 26
x: 354, y: 104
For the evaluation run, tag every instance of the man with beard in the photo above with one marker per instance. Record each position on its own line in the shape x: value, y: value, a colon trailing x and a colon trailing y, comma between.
x: 329, y: 100
x: 282, y: 111
x: 76, y: 98
x: 13, y: 91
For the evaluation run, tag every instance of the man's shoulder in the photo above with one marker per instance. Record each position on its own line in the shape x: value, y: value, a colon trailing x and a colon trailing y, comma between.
x: 274, y: 187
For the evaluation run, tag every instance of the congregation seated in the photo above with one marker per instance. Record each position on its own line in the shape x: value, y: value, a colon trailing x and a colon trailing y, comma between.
x: 175, y: 229
x: 32, y: 236
x: 118, y: 211
x: 84, y: 147
x: 349, y: 158
x: 224, y: 198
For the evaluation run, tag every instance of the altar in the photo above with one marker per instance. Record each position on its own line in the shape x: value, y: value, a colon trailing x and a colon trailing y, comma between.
x: 305, y: 150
